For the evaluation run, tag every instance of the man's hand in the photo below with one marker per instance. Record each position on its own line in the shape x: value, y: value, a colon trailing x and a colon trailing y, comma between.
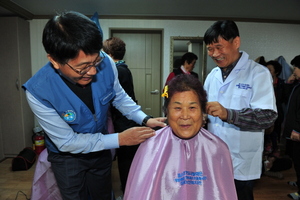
x: 135, y: 135
x: 155, y: 122
x: 215, y: 109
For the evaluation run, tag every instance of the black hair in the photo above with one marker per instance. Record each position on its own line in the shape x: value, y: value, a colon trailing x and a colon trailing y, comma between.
x: 296, y: 61
x: 226, y: 29
x: 66, y: 34
x: 277, y: 66
x: 261, y: 60
x: 188, y: 57
x: 182, y: 83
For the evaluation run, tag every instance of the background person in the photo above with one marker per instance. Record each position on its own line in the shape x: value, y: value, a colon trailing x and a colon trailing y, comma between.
x: 292, y: 124
x: 274, y: 133
x: 116, y: 48
x: 188, y: 61
x: 70, y: 97
x: 241, y: 103
x: 182, y: 161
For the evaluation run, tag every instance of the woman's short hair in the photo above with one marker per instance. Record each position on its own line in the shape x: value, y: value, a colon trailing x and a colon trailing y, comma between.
x: 186, y: 82
x: 115, y: 46
x: 189, y: 57
x: 277, y: 66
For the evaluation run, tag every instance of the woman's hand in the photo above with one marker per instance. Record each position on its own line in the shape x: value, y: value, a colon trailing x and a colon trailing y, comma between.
x: 295, y: 136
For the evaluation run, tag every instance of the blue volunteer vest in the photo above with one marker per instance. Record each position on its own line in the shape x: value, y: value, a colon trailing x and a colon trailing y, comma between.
x: 48, y: 88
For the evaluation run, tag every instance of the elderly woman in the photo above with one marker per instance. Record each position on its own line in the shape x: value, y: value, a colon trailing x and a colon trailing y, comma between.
x: 182, y: 161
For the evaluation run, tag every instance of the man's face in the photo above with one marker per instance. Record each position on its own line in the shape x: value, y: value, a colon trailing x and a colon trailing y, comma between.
x: 223, y: 52
x: 72, y: 68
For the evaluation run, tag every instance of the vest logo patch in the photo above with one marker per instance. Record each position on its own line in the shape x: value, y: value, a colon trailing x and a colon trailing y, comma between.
x: 244, y: 86
x: 69, y: 116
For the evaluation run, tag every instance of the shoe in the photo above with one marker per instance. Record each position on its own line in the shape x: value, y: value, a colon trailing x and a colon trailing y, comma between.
x: 294, y: 195
x: 292, y: 183
x: 120, y: 197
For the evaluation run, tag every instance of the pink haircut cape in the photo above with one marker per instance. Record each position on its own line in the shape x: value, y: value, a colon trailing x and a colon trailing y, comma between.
x: 166, y: 167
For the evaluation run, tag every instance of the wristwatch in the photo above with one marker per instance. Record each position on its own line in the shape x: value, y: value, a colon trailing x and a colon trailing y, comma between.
x: 145, y: 120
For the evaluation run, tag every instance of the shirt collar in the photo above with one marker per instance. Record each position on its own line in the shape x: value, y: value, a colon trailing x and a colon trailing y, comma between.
x: 119, y: 62
x: 226, y: 70
x: 184, y: 70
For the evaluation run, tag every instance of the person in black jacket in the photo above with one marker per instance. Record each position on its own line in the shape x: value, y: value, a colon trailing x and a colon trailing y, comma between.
x: 273, y: 134
x: 292, y: 124
x: 116, y: 48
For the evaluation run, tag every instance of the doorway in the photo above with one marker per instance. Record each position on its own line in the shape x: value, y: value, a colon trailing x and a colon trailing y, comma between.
x: 144, y: 57
x: 180, y: 45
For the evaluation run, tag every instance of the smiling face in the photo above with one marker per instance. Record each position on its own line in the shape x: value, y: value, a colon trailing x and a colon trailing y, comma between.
x: 78, y: 63
x: 224, y: 52
x: 185, y: 114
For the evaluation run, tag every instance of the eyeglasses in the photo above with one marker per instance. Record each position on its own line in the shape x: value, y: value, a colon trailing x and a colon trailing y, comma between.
x: 88, y: 67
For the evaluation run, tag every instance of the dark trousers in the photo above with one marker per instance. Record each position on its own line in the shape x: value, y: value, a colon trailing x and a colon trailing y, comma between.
x: 125, y: 155
x: 296, y: 161
x: 83, y: 176
x: 244, y: 189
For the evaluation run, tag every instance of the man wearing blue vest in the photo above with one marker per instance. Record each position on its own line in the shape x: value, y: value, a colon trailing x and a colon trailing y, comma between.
x: 70, y: 97
x: 241, y: 103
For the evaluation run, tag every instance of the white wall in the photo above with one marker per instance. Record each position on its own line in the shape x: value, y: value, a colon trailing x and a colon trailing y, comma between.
x: 258, y: 39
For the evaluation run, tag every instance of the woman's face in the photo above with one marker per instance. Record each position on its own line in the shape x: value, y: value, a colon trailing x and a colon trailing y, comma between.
x: 185, y: 114
x: 189, y: 67
x: 272, y: 70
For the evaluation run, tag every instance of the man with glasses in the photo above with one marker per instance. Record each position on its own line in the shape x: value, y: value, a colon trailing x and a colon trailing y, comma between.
x: 70, y: 97
x: 87, y: 67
